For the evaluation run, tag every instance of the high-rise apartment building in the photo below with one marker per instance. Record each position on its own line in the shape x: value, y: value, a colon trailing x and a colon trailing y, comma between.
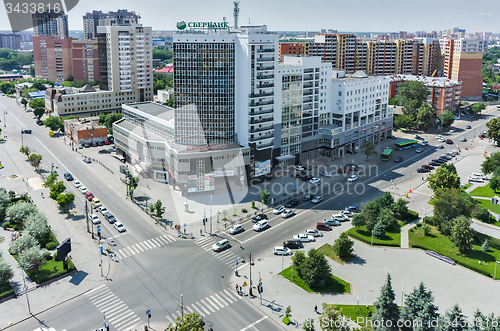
x: 10, y: 40
x: 97, y: 18
x: 52, y: 56
x: 85, y: 60
x: 50, y: 24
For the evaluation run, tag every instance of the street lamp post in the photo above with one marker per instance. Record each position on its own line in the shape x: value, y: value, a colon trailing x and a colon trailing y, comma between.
x: 22, y: 138
x: 372, y: 239
x: 211, y: 199
x: 24, y: 281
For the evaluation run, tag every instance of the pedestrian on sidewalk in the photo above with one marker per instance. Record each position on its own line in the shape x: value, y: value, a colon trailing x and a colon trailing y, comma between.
x: 237, y: 289
x: 201, y: 232
x: 316, y: 308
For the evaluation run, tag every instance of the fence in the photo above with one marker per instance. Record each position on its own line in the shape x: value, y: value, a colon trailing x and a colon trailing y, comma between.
x: 97, y: 161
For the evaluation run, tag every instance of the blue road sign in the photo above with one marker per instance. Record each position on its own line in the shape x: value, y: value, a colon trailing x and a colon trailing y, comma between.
x: 185, y: 224
x: 236, y: 261
x: 148, y: 311
x: 260, y: 284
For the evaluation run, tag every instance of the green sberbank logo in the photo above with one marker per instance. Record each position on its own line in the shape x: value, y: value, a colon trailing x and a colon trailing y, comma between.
x: 202, y: 25
x: 181, y: 25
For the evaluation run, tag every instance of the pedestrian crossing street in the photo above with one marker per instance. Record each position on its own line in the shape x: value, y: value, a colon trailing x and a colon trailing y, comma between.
x: 208, y: 305
x: 116, y: 313
x: 144, y: 246
x: 226, y: 256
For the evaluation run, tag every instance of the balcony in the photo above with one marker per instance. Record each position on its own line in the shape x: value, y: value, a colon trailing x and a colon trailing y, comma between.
x: 261, y: 95
x: 265, y: 68
x: 257, y: 138
x: 309, y: 77
x: 262, y: 103
x: 265, y: 59
x: 265, y: 85
x: 307, y: 93
x: 263, y: 120
x: 263, y: 146
x: 262, y: 112
x: 265, y: 50
x: 308, y: 85
x: 265, y: 76
x: 266, y: 128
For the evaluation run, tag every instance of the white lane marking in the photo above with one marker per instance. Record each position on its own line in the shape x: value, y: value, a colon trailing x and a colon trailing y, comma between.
x: 151, y: 243
x: 203, y: 308
x: 251, y: 325
x: 146, y: 243
x: 93, y: 290
x: 221, y: 305
x: 209, y: 304
x: 139, y: 247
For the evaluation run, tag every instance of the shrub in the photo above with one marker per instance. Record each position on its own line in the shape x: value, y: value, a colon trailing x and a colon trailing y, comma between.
x: 50, y: 245
x: 419, y: 225
x: 6, y: 225
x: 244, y: 211
x: 483, y: 214
x: 15, y: 227
x: 47, y: 256
x: 426, y: 229
x: 253, y: 205
x: 55, y: 256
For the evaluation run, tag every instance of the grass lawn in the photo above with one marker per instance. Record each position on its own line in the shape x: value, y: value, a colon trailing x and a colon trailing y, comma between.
x: 392, y: 236
x: 6, y: 290
x: 488, y: 205
x: 337, y: 285
x: 350, y: 311
x: 50, y: 269
x: 328, y: 250
x: 442, y: 245
x: 483, y: 191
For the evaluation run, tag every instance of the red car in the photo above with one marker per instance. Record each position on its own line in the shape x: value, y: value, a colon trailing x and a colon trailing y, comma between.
x: 398, y: 159
x: 89, y: 196
x: 343, y: 170
x: 106, y: 142
x: 426, y: 166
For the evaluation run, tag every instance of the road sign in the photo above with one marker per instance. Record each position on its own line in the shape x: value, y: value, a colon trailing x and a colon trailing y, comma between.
x: 148, y: 311
x: 260, y: 284
x: 244, y: 284
x: 236, y: 261
x: 185, y: 224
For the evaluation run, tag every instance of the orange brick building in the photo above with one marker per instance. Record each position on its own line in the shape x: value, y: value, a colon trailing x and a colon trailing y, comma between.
x: 85, y: 130
x: 292, y: 49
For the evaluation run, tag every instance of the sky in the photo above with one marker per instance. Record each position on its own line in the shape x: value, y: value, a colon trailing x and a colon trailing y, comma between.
x: 305, y: 15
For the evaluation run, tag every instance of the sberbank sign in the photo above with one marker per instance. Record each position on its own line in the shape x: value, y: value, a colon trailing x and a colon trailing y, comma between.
x: 202, y: 25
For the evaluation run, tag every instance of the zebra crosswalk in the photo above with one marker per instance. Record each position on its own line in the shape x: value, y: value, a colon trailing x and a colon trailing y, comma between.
x: 208, y: 305
x: 115, y: 311
x: 226, y: 256
x: 144, y: 246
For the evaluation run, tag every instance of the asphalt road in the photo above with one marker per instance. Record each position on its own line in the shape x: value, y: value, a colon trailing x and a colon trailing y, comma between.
x: 154, y: 269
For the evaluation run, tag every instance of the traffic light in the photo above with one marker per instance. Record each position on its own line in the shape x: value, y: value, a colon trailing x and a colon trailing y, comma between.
x: 149, y: 316
x: 107, y: 327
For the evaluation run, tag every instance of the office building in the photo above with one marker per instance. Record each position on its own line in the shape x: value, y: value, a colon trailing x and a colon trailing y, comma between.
x: 50, y: 24
x: 52, y: 56
x: 10, y: 40
x: 97, y: 18
x: 85, y: 60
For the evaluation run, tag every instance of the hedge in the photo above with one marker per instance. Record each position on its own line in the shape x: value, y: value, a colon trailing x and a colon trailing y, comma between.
x: 363, y: 239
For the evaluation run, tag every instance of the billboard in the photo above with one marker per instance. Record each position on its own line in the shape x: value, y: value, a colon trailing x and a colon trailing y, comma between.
x: 262, y: 168
x: 209, y: 182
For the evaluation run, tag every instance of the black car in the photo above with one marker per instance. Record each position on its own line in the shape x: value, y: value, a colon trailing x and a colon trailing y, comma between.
x: 434, y: 163
x: 39, y: 122
x: 442, y: 160
x: 306, y: 178
x: 100, y: 143
x: 449, y: 141
x: 292, y: 203
x: 439, y: 161
x: 468, y: 127
x: 446, y: 157
x: 293, y: 244
x: 26, y: 131
x: 351, y: 151
x: 259, y: 217
x: 302, y: 174
x: 87, y: 145
x: 68, y: 176
x: 482, y: 135
x: 104, y: 151
x: 94, y: 144
x: 423, y: 170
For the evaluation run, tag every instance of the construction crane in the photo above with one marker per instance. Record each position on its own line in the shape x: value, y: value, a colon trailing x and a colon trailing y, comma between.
x: 434, y: 73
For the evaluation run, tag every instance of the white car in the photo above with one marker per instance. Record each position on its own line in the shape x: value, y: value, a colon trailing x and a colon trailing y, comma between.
x: 452, y: 130
x: 325, y: 173
x: 475, y: 174
x: 220, y: 245
x: 303, y: 237
x: 439, y: 136
x: 441, y: 140
x: 279, y: 210
x: 95, y: 219
x: 287, y: 213
x: 419, y: 150
x: 118, y: 226
x: 424, y: 143
x: 77, y: 183
x: 279, y: 250
x: 299, y: 168
x: 346, y: 213
x: 260, y: 225
x: 235, y: 229
x: 313, y: 232
x: 463, y: 139
x: 317, y: 199
x: 352, y: 178
x: 103, y: 210
x: 340, y: 217
x: 314, y: 180
x: 476, y: 179
x: 83, y: 189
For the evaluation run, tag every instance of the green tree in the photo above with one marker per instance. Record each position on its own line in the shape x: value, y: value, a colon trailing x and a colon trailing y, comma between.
x: 20, y: 211
x: 25, y: 150
x: 39, y: 86
x: 448, y: 205
x: 443, y: 179
x: 112, y: 118
x: 491, y: 163
x: 387, y: 218
x: 35, y: 160
x: 57, y: 189
x: 343, y: 246
x: 404, y: 121
x: 462, y: 234
x: 298, y: 260
x: 23, y: 242
x: 159, y: 210
x: 34, y: 103
x: 393, y: 102
x: 308, y: 324
x: 369, y: 149
x: 32, y: 70
x: 316, y: 271
x: 386, y: 200
x: 485, y: 246
x: 264, y: 196
x: 425, y: 116
x: 64, y: 201
x: 495, y: 183
x: 410, y: 96
x: 6, y: 272
x: 7, y: 88
x: 454, y: 320
x: 4, y: 203
x: 36, y: 225
x: 386, y: 309
x: 358, y: 220
x: 450, y: 167
x: 190, y: 322
x: 50, y: 180
x: 55, y: 123
x: 331, y: 318
x: 493, y: 132
x: 33, y: 257
x: 24, y: 102
x: 477, y: 107
x: 400, y: 209
x: 446, y: 118
x: 419, y: 308
x: 170, y: 102
x: 379, y: 229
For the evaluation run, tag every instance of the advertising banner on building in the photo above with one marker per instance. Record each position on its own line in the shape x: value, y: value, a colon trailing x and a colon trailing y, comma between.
x: 227, y: 173
x: 160, y: 176
x: 209, y: 182
x: 262, y: 168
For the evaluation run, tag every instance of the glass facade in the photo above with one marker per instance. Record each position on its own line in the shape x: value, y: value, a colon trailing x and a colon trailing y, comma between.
x: 291, y: 114
x: 204, y: 87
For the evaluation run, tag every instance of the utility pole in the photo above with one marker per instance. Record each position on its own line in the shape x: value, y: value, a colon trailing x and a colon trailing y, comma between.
x: 250, y: 292
x: 87, y: 216
x: 211, y: 198
x: 182, y: 307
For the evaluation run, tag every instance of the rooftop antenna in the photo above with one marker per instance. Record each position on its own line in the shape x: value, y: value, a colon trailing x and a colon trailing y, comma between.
x: 236, y: 13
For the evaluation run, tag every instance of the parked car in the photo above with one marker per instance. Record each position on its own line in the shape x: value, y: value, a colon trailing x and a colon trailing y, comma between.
x: 353, y: 209
x: 68, y: 176
x: 287, y: 213
x: 109, y: 217
x: 344, y: 170
x: 317, y: 199
x: 89, y: 195
x: 346, y: 213
x: 440, y: 146
x: 301, y: 174
x: 86, y: 145
x: 351, y: 166
x: 323, y: 226
x: 103, y: 210
x: 96, y: 202
x: 260, y: 225
x: 235, y: 229
x: 94, y: 144
x: 398, y: 159
x: 446, y: 157
x: 423, y: 170
x: 352, y: 178
x: 475, y: 174
x: 26, y: 131
x: 220, y: 245
x: 468, y: 127
x: 87, y: 160
x: 325, y: 173
x: 452, y: 130
x: 436, y: 164
x: 330, y: 222
x: 282, y: 251
x: 438, y: 161
x: 313, y: 232
x: 95, y: 219
x: 100, y: 143
x: 303, y: 237
x: 77, y: 183
x: 83, y: 189
x: 261, y: 217
x: 299, y: 168
x: 475, y: 179
x: 278, y: 210
x: 306, y: 178
x: 340, y: 217
x: 314, y: 180
x: 292, y: 203
x: 449, y: 141
x: 463, y: 139
x: 293, y: 244
x: 425, y: 166
x: 119, y: 226
x: 104, y: 151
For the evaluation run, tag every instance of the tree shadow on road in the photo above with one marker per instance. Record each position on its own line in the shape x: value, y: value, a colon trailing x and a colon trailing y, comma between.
x: 357, y: 260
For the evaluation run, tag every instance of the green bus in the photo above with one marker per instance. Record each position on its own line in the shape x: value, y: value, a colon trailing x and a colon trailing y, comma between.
x: 406, y: 144
x: 386, y: 155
